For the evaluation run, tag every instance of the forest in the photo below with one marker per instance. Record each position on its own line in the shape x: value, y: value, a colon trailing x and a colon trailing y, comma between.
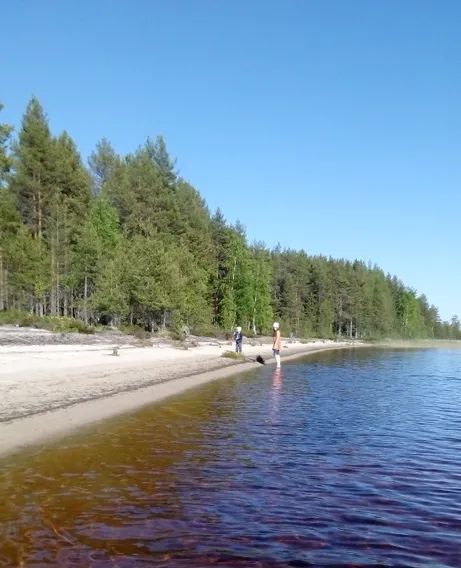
x: 126, y: 241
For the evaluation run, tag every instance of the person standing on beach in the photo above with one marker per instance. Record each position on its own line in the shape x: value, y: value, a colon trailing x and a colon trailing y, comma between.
x: 238, y: 338
x: 276, y: 342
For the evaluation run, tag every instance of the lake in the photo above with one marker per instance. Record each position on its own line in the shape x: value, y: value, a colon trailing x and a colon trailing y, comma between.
x: 348, y: 458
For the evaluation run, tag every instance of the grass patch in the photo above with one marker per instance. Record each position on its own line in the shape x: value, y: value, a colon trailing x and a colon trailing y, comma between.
x: 233, y: 355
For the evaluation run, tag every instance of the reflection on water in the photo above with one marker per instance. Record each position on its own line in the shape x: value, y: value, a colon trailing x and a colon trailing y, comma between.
x: 276, y: 393
x: 277, y: 379
x: 346, y: 459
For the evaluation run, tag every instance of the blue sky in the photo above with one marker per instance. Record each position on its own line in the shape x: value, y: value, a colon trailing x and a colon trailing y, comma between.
x: 329, y: 125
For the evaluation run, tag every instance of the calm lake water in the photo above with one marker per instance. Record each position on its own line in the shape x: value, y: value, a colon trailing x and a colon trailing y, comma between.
x: 343, y: 459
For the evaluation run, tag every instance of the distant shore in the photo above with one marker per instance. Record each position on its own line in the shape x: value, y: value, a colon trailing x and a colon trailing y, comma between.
x: 419, y: 344
x: 51, y: 385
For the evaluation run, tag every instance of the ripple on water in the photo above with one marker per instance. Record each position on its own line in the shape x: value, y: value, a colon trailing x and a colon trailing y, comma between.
x: 345, y: 459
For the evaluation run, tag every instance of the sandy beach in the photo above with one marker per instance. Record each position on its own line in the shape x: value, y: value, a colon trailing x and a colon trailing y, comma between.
x: 52, y: 384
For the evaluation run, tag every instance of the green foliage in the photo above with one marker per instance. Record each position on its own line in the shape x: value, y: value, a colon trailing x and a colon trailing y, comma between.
x: 110, y: 297
x: 103, y: 163
x: 65, y: 325
x: 207, y: 330
x: 232, y: 280
x: 135, y: 330
x: 5, y: 132
x: 261, y: 315
x: 56, y: 324
x: 34, y: 166
x: 142, y: 250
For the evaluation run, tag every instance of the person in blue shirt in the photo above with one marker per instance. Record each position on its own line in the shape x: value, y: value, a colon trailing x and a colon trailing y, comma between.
x: 238, y: 338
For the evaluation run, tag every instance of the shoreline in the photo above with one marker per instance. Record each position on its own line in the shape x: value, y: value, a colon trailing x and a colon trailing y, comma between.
x: 48, y: 392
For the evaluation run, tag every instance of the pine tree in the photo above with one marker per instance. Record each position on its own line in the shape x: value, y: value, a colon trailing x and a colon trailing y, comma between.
x: 5, y: 132
x: 65, y: 215
x: 232, y: 279
x: 9, y: 227
x: 103, y: 163
x: 142, y: 194
x: 98, y: 244
x: 322, y: 286
x: 382, y: 313
x: 261, y: 283
x: 9, y: 219
x: 30, y: 276
x: 111, y: 295
x: 33, y: 163
x: 158, y: 153
x: 146, y: 250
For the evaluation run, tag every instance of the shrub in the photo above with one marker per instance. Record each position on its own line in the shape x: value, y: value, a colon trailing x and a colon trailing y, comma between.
x: 205, y: 330
x: 51, y: 323
x: 135, y: 330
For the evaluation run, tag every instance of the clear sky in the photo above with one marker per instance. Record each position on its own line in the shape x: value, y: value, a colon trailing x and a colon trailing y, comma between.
x: 328, y: 125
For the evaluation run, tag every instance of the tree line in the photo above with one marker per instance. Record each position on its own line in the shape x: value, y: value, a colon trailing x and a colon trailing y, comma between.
x: 126, y: 240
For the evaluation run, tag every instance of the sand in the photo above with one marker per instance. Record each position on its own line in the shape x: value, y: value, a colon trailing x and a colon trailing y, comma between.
x: 50, y: 384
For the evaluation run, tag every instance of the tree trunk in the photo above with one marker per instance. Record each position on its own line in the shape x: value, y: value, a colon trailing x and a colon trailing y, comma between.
x: 39, y: 308
x: 53, y: 278
x: 234, y: 269
x: 2, y: 283
x: 85, y: 300
x: 58, y: 294
x: 65, y: 300
x: 39, y: 215
x: 340, y: 310
x: 6, y: 289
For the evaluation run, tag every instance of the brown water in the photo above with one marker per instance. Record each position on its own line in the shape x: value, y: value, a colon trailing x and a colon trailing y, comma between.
x: 346, y: 459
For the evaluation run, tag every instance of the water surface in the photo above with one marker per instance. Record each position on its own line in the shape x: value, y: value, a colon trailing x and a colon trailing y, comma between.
x: 343, y: 459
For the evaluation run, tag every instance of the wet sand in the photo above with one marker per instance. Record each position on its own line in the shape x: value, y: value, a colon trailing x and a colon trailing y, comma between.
x: 48, y: 389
